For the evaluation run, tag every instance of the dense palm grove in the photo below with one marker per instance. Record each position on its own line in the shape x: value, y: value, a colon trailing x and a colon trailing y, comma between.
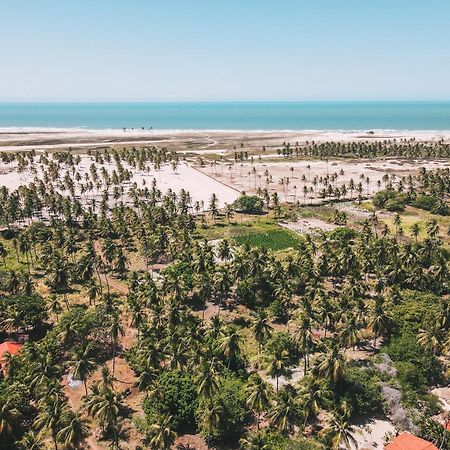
x: 403, y: 148
x: 217, y: 330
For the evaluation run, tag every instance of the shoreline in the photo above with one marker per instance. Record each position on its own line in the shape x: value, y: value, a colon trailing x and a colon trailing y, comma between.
x: 38, y: 138
x: 138, y: 130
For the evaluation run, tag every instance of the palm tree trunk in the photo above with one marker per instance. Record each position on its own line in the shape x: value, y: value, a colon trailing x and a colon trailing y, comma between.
x: 114, y: 358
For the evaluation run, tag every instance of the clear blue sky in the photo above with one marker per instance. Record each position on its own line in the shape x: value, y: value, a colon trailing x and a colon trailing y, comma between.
x: 145, y: 50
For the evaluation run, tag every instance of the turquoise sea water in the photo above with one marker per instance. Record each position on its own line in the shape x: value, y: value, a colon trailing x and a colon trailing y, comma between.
x: 231, y: 115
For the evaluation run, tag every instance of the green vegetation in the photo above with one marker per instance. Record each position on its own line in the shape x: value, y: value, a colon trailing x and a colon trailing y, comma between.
x: 274, y: 240
x: 250, y: 204
x: 240, y: 343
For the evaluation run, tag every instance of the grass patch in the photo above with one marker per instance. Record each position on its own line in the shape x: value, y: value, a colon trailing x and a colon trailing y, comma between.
x: 241, y: 224
x: 11, y: 258
x: 414, y: 215
x: 273, y: 240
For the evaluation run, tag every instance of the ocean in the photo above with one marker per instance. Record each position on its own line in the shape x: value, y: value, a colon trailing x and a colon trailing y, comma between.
x: 231, y: 115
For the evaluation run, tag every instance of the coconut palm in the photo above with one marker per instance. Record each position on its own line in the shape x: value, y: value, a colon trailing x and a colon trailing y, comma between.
x: 82, y: 364
x: 74, y: 432
x: 106, y: 405
x: 261, y: 328
x: 341, y: 432
x: 162, y: 434
x: 286, y: 412
x: 9, y: 418
x: 331, y: 364
x: 3, y: 253
x: 210, y: 420
x: 278, y: 365
x: 31, y: 441
x: 431, y: 338
x: 230, y: 345
x: 259, y: 396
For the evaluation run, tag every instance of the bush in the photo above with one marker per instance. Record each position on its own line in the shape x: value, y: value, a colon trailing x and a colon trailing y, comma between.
x: 343, y: 234
x: 427, y: 202
x: 249, y: 204
x: 421, y: 367
x: 277, y: 311
x: 177, y: 397
x: 362, y: 390
x: 246, y: 292
x: 390, y: 200
x: 394, y: 205
x: 416, y: 310
x: 31, y: 309
x: 234, y: 413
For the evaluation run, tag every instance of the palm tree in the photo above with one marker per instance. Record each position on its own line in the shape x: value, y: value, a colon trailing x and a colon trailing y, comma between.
x: 208, y: 381
x: 162, y: 433
x: 9, y: 418
x: 415, y: 230
x: 261, y: 328
x: 341, y: 432
x: 379, y: 322
x: 31, y: 441
x: 278, y: 364
x: 304, y: 337
x: 254, y: 442
x: 210, y: 420
x: 285, y: 413
x: 13, y: 282
x: 106, y: 405
x: 331, y: 364
x: 431, y: 338
x: 230, y: 345
x: 49, y: 416
x: 115, y: 330
x: 259, y: 395
x: 74, y: 432
x: 82, y: 365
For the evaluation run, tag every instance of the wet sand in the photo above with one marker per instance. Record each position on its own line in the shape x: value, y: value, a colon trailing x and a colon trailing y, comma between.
x: 191, y: 140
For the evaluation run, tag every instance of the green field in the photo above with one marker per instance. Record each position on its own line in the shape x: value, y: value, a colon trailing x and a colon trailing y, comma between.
x: 274, y: 240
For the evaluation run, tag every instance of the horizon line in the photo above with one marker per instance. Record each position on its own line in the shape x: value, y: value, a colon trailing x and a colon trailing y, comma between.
x: 226, y: 101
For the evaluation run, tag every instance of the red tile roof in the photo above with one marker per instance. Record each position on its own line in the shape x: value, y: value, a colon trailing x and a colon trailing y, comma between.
x: 9, y: 347
x: 407, y: 441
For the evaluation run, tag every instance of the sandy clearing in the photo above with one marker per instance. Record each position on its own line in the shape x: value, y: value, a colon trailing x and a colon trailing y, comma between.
x: 272, y: 175
x: 200, y: 185
x: 371, y: 436
x: 309, y: 226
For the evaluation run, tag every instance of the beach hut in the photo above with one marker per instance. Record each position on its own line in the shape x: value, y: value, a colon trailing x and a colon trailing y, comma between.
x: 407, y: 441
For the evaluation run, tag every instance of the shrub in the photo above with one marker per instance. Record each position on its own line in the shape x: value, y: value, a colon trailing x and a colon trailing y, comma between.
x: 362, y: 390
x: 277, y: 311
x: 390, y: 200
x: 406, y: 349
x: 427, y: 202
x: 176, y: 397
x: 31, y: 309
x: 234, y: 413
x: 250, y: 204
x: 394, y: 205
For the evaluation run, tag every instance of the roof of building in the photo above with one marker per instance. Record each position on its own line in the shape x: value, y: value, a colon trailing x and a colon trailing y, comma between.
x: 407, y: 441
x: 9, y: 347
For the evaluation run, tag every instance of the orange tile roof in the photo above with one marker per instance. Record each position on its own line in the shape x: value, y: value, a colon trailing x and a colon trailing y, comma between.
x: 9, y: 347
x: 407, y: 441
